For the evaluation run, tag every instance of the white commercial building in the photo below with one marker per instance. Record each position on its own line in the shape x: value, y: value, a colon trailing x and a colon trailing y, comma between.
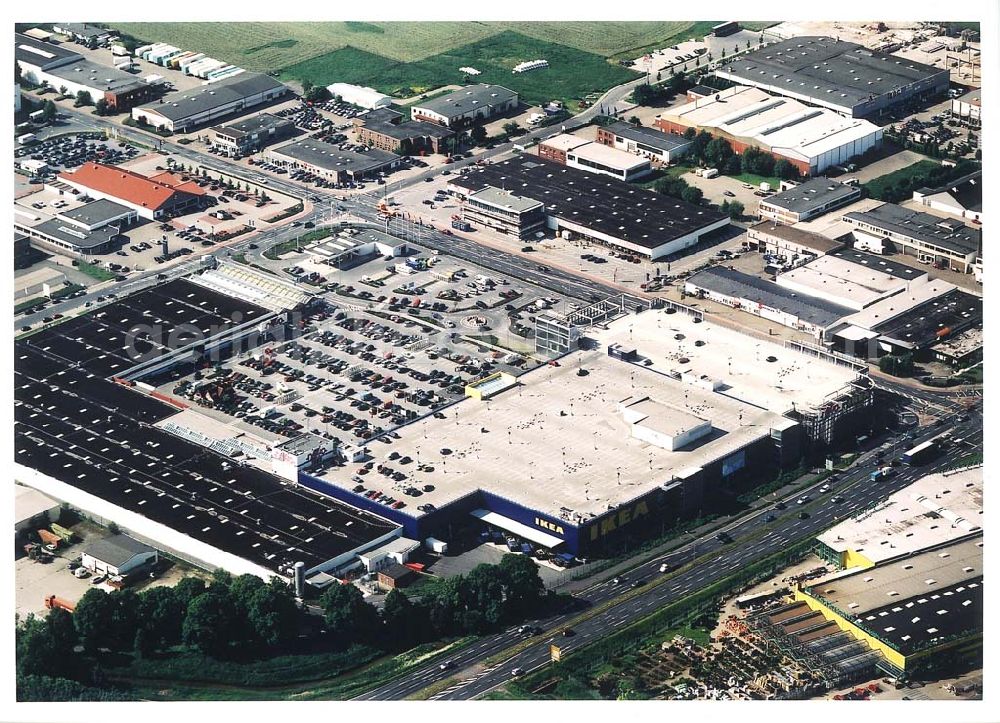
x: 599, y: 158
x: 358, y: 95
x: 117, y: 555
x: 846, y: 283
x: 968, y: 108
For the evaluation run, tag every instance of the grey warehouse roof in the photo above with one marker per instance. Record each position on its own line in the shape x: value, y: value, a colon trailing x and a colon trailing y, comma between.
x: 179, y: 106
x: 41, y: 54
x: 813, y: 65
x: 468, y: 98
x: 723, y: 280
x: 649, y: 136
x: 878, y: 263
x: 946, y: 233
x: 387, y: 122
x: 96, y: 75
x: 117, y: 550
x: 597, y: 202
x: 505, y: 199
x: 77, y: 237
x: 263, y: 121
x: 96, y: 211
x: 328, y: 156
x: 813, y: 193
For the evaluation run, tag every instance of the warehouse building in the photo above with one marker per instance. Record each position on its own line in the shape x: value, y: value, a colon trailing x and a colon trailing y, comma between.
x: 98, y: 214
x: 504, y: 212
x: 84, y: 32
x: 845, y: 77
x: 945, y: 243
x: 961, y: 350
x: 844, y: 282
x: 250, y: 135
x: 599, y: 158
x: 328, y: 161
x: 811, y: 139
x: 936, y: 510
x: 466, y: 106
x: 813, y: 197
x: 182, y: 111
x: 794, y: 244
x: 32, y: 509
x: 37, y: 57
x: 967, y: 108
x: 766, y: 299
x: 156, y: 197
x: 385, y: 129
x: 597, y: 208
x: 361, y: 96
x: 650, y: 143
x: 684, y: 415
x: 916, y: 611
x: 67, y: 239
x: 962, y: 197
x: 118, y: 555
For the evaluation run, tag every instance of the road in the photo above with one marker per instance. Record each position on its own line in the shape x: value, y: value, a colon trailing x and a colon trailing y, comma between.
x: 749, y: 545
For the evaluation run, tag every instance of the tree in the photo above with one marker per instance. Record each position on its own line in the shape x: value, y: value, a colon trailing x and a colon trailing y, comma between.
x: 273, y: 614
x: 307, y: 86
x: 898, y: 366
x: 45, y: 646
x: 698, y: 145
x: 209, y: 622
x: 17, y: 72
x: 690, y: 133
x: 478, y: 134
x: 671, y: 186
x: 49, y: 111
x: 785, y: 170
x: 101, y: 107
x: 482, y: 592
x: 161, y: 614
x: 397, y: 617
x: 733, y: 208
x: 123, y: 618
x: 733, y: 166
x: 347, y: 615
x: 692, y: 194
x: 521, y: 583
x: 717, y: 152
x: 187, y: 590
x: 63, y: 90
x: 92, y: 618
x: 634, y: 120
x: 511, y: 129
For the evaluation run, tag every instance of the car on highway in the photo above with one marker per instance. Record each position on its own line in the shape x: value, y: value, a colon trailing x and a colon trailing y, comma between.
x: 568, y: 632
x: 516, y: 672
x: 638, y: 583
x: 447, y: 665
x: 837, y: 499
x: 824, y: 489
x: 803, y: 515
x: 25, y: 328
x: 802, y: 500
x: 780, y: 506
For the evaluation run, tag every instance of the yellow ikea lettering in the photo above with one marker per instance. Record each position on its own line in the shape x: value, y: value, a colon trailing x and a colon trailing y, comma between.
x: 613, y: 522
x: 545, y: 524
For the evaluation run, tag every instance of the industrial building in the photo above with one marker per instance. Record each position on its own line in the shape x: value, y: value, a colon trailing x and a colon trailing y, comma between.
x: 64, y: 238
x: 599, y: 158
x: 844, y: 77
x: 914, y: 611
x: 811, y: 139
x: 813, y: 197
x: 100, y: 213
x: 361, y: 96
x: 555, y: 148
x: 45, y: 63
x: 505, y: 212
x: 466, y: 106
x: 643, y: 141
x: 640, y: 440
x: 599, y: 209
x: 84, y: 32
x: 386, y: 129
x: 936, y: 510
x: 967, y: 108
x: 962, y: 197
x: 328, y: 161
x: 908, y: 322
x: 184, y: 110
x: 154, y: 197
x: 844, y: 281
x: 766, y: 299
x: 118, y: 555
x: 32, y: 509
x: 796, y: 245
x: 251, y: 135
x: 945, y: 243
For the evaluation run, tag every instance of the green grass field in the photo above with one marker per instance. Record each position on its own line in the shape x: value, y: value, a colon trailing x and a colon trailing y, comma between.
x: 572, y: 73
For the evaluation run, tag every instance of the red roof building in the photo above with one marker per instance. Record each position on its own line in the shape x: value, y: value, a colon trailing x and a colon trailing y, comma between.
x: 165, y: 194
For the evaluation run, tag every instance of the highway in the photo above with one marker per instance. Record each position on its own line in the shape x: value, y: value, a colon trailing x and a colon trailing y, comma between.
x: 749, y: 545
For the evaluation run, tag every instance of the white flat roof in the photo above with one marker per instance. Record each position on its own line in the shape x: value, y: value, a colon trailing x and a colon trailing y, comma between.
x: 29, y: 502
x: 608, y: 156
x: 934, y: 510
x: 890, y: 308
x: 859, y: 285
x: 565, y: 142
x: 513, y: 526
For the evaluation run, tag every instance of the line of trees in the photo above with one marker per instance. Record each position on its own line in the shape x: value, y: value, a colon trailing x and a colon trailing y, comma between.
x: 661, y: 93
x: 484, y: 600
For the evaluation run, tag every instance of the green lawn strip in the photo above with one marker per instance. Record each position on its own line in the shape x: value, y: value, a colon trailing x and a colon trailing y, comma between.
x: 754, y: 180
x: 876, y: 187
x: 94, y: 271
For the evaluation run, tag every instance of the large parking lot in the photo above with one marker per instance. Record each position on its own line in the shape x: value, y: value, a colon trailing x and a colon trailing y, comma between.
x: 72, y: 151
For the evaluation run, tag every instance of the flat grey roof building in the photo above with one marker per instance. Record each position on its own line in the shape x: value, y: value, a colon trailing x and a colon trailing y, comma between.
x: 96, y: 75
x: 840, y: 75
x: 330, y: 158
x: 97, y: 213
x: 922, y: 227
x: 815, y: 193
x: 466, y: 100
x: 65, y: 234
x: 505, y: 199
x: 254, y: 124
x: 40, y: 54
x: 878, y: 263
x: 117, y: 550
x: 736, y: 284
x: 649, y: 136
x: 179, y: 106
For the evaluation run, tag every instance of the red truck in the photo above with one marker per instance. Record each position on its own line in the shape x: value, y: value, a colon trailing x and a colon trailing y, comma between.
x: 57, y: 602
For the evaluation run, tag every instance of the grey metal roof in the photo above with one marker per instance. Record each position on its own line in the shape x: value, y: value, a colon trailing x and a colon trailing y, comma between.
x: 467, y: 99
x: 649, y: 136
x: 924, y: 227
x: 505, y: 199
x: 83, y: 30
x: 254, y: 124
x: 813, y: 193
x: 117, y: 550
x: 41, y: 54
x: 601, y: 203
x: 86, y: 72
x: 390, y: 123
x: 329, y: 157
x: 178, y: 106
x: 812, y: 65
x: 736, y: 284
x: 966, y: 190
x: 878, y: 263
x: 799, y: 236
x: 955, y: 310
x: 96, y: 211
